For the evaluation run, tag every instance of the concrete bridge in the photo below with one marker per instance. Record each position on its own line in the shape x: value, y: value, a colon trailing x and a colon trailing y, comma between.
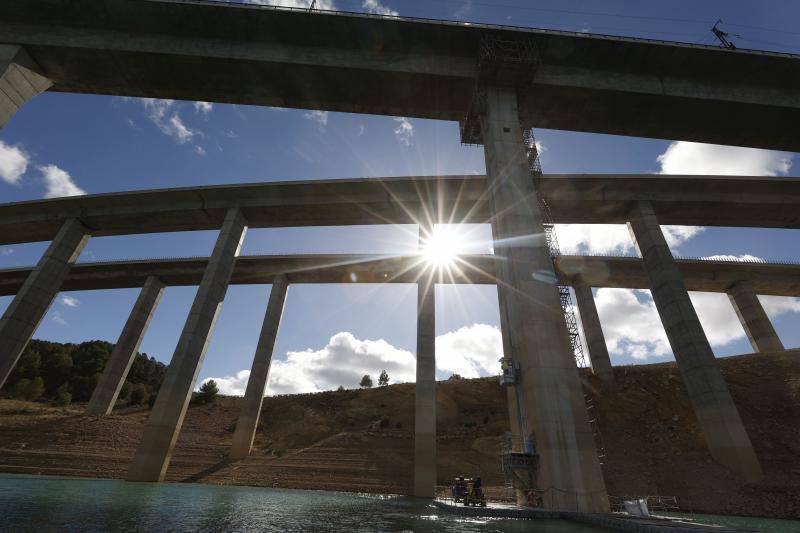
x: 496, y: 82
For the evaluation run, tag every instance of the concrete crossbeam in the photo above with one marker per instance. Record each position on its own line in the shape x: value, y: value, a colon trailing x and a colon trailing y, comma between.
x: 552, y: 409
x: 21, y: 79
x: 425, y: 393
x: 593, y: 331
x: 754, y: 319
x: 34, y: 298
x: 164, y: 423
x: 119, y: 363
x: 716, y: 413
x: 250, y: 408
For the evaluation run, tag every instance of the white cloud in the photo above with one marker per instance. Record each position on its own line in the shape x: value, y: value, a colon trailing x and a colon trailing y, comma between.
x: 683, y: 157
x: 234, y: 385
x: 6, y: 251
x: 343, y: 361
x: 164, y: 114
x: 778, y: 305
x: 464, y: 10
x: 376, y: 8
x: 613, y: 238
x: 631, y: 324
x: 199, y: 150
x: 13, y: 163
x: 729, y: 257
x: 471, y: 351
x: 717, y: 317
x: 404, y: 130
x: 58, y: 183
x: 320, y: 117
x: 69, y: 301
x: 203, y: 107
x: 58, y: 319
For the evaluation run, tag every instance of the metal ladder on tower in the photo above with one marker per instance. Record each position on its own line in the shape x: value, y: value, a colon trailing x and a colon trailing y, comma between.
x: 535, y: 167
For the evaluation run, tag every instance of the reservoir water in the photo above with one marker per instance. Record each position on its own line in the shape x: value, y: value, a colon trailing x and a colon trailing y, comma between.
x: 41, y: 504
x: 32, y: 503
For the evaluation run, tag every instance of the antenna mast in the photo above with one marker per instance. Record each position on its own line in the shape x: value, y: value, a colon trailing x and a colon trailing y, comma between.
x: 722, y: 36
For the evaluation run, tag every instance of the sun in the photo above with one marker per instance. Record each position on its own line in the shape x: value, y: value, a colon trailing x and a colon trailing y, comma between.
x: 442, y: 247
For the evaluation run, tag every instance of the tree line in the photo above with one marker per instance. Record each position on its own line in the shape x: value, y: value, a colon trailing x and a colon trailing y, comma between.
x: 63, y: 373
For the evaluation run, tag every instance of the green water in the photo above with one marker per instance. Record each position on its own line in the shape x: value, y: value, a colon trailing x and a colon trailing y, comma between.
x: 31, y: 503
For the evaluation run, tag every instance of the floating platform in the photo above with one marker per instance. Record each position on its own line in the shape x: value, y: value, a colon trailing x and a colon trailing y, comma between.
x: 617, y: 522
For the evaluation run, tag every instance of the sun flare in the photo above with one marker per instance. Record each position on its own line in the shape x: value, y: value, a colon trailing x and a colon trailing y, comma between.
x: 442, y: 247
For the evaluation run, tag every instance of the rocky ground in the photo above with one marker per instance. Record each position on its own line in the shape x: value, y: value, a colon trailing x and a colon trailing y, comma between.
x: 362, y: 440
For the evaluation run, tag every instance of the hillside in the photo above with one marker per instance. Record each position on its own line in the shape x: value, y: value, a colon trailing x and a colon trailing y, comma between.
x: 361, y: 440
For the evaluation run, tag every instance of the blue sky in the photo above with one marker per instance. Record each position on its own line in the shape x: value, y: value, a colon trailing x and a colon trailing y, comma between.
x: 93, y: 144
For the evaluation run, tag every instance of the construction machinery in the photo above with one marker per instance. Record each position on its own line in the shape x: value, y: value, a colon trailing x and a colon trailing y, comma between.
x: 468, y: 490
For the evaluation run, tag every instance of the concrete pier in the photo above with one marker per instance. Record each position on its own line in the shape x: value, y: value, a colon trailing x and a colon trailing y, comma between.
x: 552, y: 408
x: 718, y: 417
x: 592, y: 330
x: 119, y: 363
x: 754, y: 319
x: 425, y: 392
x: 257, y: 382
x: 164, y: 424
x: 34, y: 298
x: 20, y: 80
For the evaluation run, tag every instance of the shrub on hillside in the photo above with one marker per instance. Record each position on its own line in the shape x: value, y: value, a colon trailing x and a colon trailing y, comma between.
x: 63, y: 396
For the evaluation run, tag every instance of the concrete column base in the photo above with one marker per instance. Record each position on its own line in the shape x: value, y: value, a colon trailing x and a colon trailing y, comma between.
x: 164, y: 424
x: 105, y: 394
x: 20, y: 80
x: 31, y: 303
x: 756, y: 323
x: 250, y: 409
x: 717, y: 414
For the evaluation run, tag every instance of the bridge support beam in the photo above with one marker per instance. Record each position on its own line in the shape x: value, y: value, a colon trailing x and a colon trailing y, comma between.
x: 20, y: 80
x: 250, y: 408
x: 592, y: 330
x: 754, y: 319
x: 425, y: 393
x: 552, y: 408
x: 708, y: 392
x: 107, y: 390
x: 164, y: 424
x: 31, y: 303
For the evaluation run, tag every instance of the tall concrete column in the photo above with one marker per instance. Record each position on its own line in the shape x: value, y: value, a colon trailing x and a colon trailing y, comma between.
x: 708, y: 392
x: 119, y: 363
x: 754, y: 319
x: 20, y: 80
x: 257, y: 382
x: 425, y: 393
x: 551, y: 403
x: 596, y: 342
x: 164, y: 424
x: 31, y: 303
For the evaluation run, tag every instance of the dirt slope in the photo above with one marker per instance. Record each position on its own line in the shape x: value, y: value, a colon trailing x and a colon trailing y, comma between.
x: 363, y: 440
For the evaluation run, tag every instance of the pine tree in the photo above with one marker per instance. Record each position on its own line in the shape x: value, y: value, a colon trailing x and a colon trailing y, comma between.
x: 366, y: 382
x: 383, y: 379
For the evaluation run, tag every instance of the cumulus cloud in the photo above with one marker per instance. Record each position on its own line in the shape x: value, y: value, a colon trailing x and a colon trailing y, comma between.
x: 717, y: 317
x: 613, y: 238
x: 778, y: 305
x: 471, y: 351
x: 69, y: 301
x: 730, y: 257
x: 631, y: 324
x: 683, y: 157
x: 203, y: 107
x: 13, y: 163
x: 164, y: 114
x: 342, y: 361
x: 58, y: 183
x: 376, y: 8
x: 58, y: 319
x: 404, y: 130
